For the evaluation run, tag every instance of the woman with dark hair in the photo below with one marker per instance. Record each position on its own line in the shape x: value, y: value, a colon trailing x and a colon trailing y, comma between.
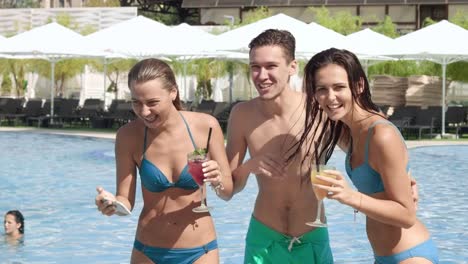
x: 157, y: 144
x: 340, y: 111
x: 13, y: 224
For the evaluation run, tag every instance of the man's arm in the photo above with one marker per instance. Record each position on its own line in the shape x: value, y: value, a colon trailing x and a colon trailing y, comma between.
x: 236, y: 148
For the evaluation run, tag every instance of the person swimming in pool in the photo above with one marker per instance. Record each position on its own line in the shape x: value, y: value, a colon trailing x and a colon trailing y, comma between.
x: 157, y: 144
x: 13, y: 224
x: 377, y: 160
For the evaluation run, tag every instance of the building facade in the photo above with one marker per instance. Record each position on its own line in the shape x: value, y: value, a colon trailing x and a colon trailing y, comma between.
x: 408, y: 15
x: 17, y: 20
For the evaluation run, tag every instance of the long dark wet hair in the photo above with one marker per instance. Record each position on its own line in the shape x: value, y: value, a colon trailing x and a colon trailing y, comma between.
x: 18, y: 218
x: 318, y: 126
x: 152, y: 69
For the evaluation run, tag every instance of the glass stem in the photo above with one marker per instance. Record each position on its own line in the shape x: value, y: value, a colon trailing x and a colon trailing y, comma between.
x: 202, y: 197
x: 319, y: 211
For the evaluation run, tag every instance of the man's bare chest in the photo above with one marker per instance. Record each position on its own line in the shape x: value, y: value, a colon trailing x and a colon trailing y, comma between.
x: 273, y: 138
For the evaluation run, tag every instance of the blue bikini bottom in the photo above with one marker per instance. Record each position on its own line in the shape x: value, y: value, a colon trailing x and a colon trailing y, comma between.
x: 174, y: 255
x: 427, y: 250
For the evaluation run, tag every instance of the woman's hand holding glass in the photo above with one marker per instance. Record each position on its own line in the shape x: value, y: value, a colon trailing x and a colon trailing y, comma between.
x: 320, y: 194
x: 338, y: 188
x: 212, y: 173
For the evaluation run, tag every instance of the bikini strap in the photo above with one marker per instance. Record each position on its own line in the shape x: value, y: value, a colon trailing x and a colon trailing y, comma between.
x: 186, y: 125
x: 188, y: 129
x: 369, y: 132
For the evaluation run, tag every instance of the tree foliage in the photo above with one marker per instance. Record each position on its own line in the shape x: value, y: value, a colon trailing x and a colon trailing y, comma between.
x: 169, y: 12
x: 387, y: 27
x: 65, y: 69
x: 102, y: 3
x: 207, y: 69
x: 254, y: 15
x: 406, y: 68
x: 342, y: 22
x: 19, y: 3
x: 68, y: 21
x: 115, y: 70
x: 5, y: 87
x: 428, y: 21
x: 459, y: 70
x: 16, y: 69
x: 460, y: 18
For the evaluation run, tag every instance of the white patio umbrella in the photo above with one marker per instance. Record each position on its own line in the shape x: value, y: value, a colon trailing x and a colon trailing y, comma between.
x: 239, y: 38
x: 310, y: 39
x: 322, y: 38
x: 199, y: 40
x: 441, y: 43
x: 122, y: 40
x: 202, y: 45
x: 141, y: 37
x: 51, y: 42
x: 191, y: 41
x: 369, y: 46
x: 125, y: 38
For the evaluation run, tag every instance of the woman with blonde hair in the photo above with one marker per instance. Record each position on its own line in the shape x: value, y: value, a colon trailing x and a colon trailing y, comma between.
x: 157, y: 144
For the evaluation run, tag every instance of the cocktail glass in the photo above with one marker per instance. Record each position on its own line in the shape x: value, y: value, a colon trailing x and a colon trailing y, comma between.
x: 319, y: 193
x: 195, y: 160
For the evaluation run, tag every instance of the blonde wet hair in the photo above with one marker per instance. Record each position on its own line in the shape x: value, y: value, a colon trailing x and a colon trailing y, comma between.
x: 154, y: 69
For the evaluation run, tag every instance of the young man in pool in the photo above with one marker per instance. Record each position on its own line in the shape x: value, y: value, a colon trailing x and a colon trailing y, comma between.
x: 270, y: 126
x: 285, y: 202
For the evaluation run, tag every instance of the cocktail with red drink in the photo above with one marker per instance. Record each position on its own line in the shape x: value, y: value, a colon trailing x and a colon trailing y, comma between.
x: 195, y: 160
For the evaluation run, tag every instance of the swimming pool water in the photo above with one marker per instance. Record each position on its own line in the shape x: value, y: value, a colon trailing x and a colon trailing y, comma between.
x: 52, y: 180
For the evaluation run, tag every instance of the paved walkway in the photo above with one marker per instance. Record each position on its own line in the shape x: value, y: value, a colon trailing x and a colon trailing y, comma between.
x: 111, y: 135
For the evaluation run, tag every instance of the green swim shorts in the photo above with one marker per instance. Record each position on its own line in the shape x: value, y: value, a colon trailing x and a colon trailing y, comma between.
x: 267, y: 246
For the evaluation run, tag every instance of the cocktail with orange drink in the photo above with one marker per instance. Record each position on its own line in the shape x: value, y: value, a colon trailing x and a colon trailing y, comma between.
x: 319, y: 193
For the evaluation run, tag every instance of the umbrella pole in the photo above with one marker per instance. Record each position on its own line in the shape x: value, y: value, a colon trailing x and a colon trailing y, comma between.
x: 105, y: 81
x: 52, y: 90
x: 231, y: 83
x: 444, y: 68
x: 186, y: 97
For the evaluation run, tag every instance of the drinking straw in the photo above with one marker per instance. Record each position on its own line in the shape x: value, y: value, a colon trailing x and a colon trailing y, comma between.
x: 208, y: 142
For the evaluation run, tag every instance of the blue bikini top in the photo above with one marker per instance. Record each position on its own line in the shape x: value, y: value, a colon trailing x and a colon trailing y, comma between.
x: 154, y: 180
x: 364, y: 177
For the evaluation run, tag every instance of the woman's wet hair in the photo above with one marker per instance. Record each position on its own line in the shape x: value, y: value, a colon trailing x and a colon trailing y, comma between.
x: 318, y: 127
x: 152, y: 69
x: 18, y: 218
